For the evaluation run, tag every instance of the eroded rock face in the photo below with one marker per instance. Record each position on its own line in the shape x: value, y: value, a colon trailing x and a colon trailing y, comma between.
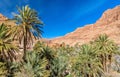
x: 6, y: 21
x: 3, y: 18
x: 109, y: 24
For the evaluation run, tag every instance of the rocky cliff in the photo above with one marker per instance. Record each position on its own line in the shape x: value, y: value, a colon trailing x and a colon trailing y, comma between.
x: 7, y: 21
x: 109, y: 23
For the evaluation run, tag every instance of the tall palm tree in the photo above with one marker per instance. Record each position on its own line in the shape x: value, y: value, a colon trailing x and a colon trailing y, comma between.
x: 28, y: 26
x: 7, y: 49
x: 105, y: 49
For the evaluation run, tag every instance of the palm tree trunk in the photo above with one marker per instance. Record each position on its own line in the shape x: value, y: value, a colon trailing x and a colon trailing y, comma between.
x: 102, y: 61
x: 24, y: 48
x: 24, y: 44
x: 110, y: 58
x: 105, y: 63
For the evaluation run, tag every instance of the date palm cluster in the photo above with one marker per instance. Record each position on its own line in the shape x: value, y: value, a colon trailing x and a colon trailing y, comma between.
x: 94, y: 59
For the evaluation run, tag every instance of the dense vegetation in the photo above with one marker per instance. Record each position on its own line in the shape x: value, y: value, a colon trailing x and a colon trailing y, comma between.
x: 89, y: 60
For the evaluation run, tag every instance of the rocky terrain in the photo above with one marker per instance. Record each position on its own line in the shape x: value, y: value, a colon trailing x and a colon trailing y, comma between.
x: 109, y: 23
x: 5, y: 20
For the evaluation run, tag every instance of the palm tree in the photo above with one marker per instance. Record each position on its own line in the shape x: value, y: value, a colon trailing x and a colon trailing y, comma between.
x: 59, y: 65
x: 88, y: 65
x: 39, y: 46
x: 44, y: 51
x: 33, y: 67
x: 3, y: 69
x: 105, y: 49
x: 7, y: 49
x: 28, y: 26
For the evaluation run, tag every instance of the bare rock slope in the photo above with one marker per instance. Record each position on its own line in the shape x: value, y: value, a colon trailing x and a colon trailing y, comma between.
x: 6, y: 21
x: 109, y: 24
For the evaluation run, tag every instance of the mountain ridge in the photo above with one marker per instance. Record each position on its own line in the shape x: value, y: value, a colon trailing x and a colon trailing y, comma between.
x: 109, y: 24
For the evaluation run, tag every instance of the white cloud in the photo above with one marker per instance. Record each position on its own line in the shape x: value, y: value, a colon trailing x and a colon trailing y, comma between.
x: 26, y: 1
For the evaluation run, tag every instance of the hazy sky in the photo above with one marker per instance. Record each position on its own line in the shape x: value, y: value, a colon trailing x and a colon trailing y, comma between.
x: 61, y: 16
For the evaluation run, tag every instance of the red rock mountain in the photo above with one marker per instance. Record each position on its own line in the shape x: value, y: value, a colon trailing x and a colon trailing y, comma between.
x: 109, y: 24
x: 5, y: 20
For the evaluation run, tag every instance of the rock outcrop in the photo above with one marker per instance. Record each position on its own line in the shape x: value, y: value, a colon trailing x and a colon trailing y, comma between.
x: 6, y: 21
x: 109, y: 24
x: 3, y: 18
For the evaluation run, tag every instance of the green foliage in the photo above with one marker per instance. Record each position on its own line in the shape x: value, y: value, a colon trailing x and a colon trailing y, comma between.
x: 39, y: 46
x: 33, y: 67
x: 3, y: 69
x: 87, y: 60
x: 106, y: 48
x: 59, y: 65
x: 28, y: 20
x: 7, y: 49
x: 28, y: 27
x: 87, y: 63
x: 44, y: 51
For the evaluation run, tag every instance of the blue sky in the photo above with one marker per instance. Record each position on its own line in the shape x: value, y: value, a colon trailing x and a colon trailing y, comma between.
x: 61, y: 16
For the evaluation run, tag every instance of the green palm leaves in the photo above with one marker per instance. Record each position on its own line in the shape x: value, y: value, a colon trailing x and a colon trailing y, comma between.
x: 33, y: 67
x: 44, y: 51
x: 104, y: 44
x: 7, y: 49
x: 59, y: 65
x: 3, y: 69
x: 105, y: 49
x: 29, y: 20
x: 88, y: 63
x: 28, y: 26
